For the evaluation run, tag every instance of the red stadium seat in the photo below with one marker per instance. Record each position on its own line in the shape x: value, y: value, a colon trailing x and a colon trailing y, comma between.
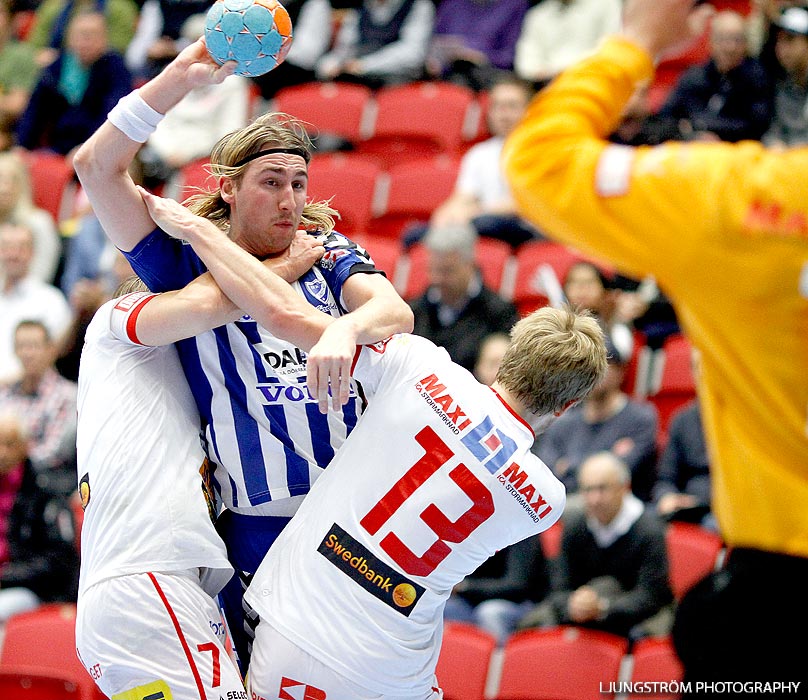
x: 563, y: 663
x: 551, y: 539
x: 492, y: 258
x: 386, y: 253
x: 412, y: 190
x: 421, y: 119
x: 654, y: 660
x: 538, y: 262
x: 53, y: 186
x: 44, y: 640
x: 674, y: 383
x: 693, y: 552
x: 352, y: 181
x: 337, y: 108
x: 192, y: 179
x: 465, y: 656
x: 25, y: 684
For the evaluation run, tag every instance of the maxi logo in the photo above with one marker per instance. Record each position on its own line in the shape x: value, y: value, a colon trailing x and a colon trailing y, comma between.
x: 490, y: 445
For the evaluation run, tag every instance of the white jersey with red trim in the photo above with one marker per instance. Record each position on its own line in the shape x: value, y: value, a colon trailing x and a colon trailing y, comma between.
x: 140, y: 459
x: 436, y: 477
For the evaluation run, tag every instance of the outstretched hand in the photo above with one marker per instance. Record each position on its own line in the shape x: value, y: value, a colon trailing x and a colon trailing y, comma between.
x: 199, y: 68
x: 661, y: 26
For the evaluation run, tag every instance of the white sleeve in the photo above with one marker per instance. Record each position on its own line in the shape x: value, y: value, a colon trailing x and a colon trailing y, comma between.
x: 123, y: 319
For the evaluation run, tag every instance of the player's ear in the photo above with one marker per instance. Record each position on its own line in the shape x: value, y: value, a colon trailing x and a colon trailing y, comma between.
x: 226, y: 189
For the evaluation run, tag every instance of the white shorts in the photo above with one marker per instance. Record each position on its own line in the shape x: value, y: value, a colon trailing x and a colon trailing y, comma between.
x: 145, y: 634
x: 279, y: 669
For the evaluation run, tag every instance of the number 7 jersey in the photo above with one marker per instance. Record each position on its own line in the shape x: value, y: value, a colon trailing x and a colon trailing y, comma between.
x: 436, y: 477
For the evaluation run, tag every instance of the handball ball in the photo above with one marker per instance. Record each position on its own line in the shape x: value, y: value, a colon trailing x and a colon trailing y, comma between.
x: 257, y: 34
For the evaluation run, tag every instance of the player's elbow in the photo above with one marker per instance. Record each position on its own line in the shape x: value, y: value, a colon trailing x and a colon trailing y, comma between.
x: 403, y: 317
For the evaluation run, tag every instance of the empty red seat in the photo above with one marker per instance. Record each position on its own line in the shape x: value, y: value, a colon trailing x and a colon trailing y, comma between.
x: 463, y: 665
x: 337, y: 108
x: 421, y: 119
x: 350, y: 181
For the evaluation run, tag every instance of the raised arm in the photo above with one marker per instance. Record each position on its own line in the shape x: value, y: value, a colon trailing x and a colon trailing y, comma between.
x: 103, y: 161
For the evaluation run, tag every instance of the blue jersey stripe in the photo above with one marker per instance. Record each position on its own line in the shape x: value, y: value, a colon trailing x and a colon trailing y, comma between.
x: 297, y: 468
x: 246, y: 429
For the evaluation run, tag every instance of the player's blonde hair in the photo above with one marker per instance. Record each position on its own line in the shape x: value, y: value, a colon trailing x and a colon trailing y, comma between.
x: 556, y: 356
x: 271, y: 130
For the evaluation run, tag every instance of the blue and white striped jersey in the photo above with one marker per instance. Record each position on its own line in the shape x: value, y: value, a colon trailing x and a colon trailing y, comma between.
x: 263, y: 433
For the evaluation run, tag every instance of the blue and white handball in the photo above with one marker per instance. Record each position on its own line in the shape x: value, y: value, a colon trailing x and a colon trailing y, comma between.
x: 257, y: 34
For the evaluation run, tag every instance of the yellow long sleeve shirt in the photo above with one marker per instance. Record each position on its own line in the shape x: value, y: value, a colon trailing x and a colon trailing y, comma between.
x: 724, y: 229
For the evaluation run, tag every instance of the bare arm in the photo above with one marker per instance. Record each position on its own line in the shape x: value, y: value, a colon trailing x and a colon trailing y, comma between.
x: 103, y: 160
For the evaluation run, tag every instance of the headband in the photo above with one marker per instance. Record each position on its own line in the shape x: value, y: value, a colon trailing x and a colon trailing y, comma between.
x: 304, y: 154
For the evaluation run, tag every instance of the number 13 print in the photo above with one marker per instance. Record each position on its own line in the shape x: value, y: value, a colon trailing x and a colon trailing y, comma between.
x: 436, y: 454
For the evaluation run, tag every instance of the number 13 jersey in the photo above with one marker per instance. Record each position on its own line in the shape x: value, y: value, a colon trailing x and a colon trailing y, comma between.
x: 436, y: 477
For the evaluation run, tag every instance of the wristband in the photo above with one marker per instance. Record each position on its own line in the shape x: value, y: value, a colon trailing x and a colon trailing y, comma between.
x: 134, y: 117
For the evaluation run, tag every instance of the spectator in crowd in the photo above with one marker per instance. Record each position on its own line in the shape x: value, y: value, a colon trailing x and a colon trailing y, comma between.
x: 75, y: 92
x: 18, y: 75
x: 159, y: 36
x: 192, y: 128
x: 556, y: 33
x: 682, y: 490
x: 23, y: 297
x: 50, y: 32
x: 475, y: 40
x: 642, y: 305
x: 17, y: 205
x: 39, y: 560
x: 762, y: 32
x: 458, y: 311
x: 789, y: 126
x: 492, y: 350
x: 382, y: 42
x: 727, y: 98
x: 481, y: 195
x: 86, y: 296
x: 611, y: 572
x: 46, y: 402
x: 588, y: 286
x: 312, y: 21
x: 607, y: 420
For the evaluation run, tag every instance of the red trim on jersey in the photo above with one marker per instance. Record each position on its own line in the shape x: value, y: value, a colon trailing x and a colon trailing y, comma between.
x: 180, y: 635
x: 513, y: 413
x: 356, y: 358
x: 131, y: 321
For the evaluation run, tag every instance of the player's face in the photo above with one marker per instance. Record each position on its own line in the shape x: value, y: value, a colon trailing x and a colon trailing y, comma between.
x: 267, y: 204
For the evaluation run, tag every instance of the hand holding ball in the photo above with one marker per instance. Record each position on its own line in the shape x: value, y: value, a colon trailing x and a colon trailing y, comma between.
x: 257, y: 34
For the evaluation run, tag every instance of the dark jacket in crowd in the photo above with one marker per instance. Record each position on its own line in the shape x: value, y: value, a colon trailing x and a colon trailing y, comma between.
x: 42, y: 543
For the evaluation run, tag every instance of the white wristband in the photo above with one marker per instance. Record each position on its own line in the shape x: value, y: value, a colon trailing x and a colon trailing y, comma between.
x: 134, y: 117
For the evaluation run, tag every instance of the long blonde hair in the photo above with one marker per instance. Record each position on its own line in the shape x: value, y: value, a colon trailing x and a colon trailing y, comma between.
x: 271, y: 130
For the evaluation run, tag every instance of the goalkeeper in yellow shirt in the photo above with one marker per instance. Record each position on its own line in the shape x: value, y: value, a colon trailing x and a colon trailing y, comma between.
x: 724, y: 229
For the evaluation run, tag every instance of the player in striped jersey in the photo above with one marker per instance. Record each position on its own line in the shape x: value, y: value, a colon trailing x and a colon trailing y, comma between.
x: 265, y: 438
